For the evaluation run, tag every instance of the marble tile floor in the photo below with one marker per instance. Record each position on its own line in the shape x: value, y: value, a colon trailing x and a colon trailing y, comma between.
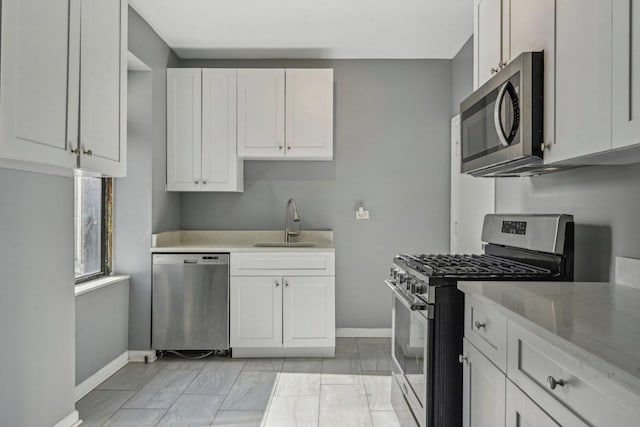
x: 350, y: 390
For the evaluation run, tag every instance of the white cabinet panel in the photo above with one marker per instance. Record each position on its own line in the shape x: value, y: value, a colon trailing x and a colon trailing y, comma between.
x: 184, y: 148
x: 523, y: 412
x: 256, y: 311
x: 309, y: 311
x: 626, y: 73
x: 221, y: 169
x: 38, y: 76
x: 261, y: 111
x: 583, y: 79
x: 309, y: 114
x: 487, y: 21
x: 483, y: 390
x: 103, y: 86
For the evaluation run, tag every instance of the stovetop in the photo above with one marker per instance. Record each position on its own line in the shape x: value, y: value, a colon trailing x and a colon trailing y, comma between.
x: 471, y: 266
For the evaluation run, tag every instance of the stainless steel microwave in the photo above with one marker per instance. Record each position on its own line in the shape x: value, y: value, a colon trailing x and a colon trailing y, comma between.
x: 502, y: 122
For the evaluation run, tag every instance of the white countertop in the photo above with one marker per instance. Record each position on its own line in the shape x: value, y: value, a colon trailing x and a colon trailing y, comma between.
x: 598, y: 323
x: 194, y: 241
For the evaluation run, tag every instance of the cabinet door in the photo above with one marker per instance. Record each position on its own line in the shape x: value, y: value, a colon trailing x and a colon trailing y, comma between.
x: 221, y: 169
x: 583, y: 79
x: 309, y: 114
x: 626, y: 73
x: 261, y: 94
x: 103, y: 86
x: 523, y: 412
x: 483, y: 390
x: 529, y: 26
x: 309, y: 311
x: 256, y: 311
x: 184, y: 131
x: 38, y: 76
x: 487, y: 40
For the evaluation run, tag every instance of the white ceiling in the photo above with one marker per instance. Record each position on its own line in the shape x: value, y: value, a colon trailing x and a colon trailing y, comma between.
x: 310, y: 28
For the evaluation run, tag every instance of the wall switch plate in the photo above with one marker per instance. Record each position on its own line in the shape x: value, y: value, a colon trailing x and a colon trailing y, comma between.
x: 362, y: 214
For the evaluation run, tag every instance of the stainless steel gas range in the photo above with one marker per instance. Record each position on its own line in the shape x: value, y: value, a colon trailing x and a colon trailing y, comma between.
x: 428, y: 309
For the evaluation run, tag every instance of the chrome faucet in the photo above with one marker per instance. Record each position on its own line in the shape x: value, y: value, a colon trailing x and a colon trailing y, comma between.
x: 291, y: 214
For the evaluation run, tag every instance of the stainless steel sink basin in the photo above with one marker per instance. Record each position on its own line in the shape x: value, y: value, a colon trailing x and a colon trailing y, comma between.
x: 285, y: 245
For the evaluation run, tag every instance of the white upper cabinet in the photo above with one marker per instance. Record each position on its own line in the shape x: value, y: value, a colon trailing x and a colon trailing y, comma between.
x: 626, y: 73
x: 63, y: 72
x: 103, y: 86
x: 201, y: 131
x: 222, y: 170
x: 309, y: 114
x: 38, y: 75
x: 261, y: 110
x: 487, y: 19
x: 285, y: 114
x: 583, y: 80
x: 184, y: 130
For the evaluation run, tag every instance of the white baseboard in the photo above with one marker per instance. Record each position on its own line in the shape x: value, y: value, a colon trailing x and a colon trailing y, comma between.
x: 363, y: 332
x: 139, y: 356
x: 94, y: 380
x: 71, y: 420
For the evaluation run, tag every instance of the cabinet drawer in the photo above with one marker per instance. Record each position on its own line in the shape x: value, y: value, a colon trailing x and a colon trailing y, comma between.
x: 283, y: 263
x: 534, y: 364
x: 487, y: 330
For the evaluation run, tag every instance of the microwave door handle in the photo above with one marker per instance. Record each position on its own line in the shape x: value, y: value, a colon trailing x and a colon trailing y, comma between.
x: 496, y: 115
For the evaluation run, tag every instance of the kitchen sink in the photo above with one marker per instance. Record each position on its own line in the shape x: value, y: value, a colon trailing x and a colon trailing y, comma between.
x: 285, y: 245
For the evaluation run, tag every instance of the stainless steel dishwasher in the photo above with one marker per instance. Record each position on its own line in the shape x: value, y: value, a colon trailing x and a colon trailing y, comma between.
x: 190, y: 302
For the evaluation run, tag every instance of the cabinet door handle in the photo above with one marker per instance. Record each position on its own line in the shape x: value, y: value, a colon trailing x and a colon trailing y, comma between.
x: 87, y: 152
x: 73, y: 151
x: 552, y: 383
x: 494, y: 70
x: 277, y: 284
x: 479, y: 325
x: 286, y: 284
x: 204, y: 182
x: 288, y: 147
x: 196, y: 182
x: 463, y: 359
x: 279, y: 147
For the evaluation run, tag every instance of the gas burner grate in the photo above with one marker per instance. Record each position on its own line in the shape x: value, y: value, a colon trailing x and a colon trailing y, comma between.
x: 473, y: 266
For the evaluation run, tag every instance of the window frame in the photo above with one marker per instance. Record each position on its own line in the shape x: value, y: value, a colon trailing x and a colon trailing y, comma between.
x: 106, y: 233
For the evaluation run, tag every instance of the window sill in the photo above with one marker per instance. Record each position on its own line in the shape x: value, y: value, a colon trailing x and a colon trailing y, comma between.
x: 96, y: 284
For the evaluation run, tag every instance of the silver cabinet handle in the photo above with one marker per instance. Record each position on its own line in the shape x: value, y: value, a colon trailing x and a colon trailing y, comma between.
x: 277, y: 284
x: 502, y: 64
x: 479, y: 325
x: 463, y: 359
x: 494, y: 70
x: 204, y: 182
x: 286, y: 284
x: 552, y: 383
x: 87, y: 152
x: 74, y: 151
x: 196, y: 182
x: 288, y: 147
x: 279, y: 147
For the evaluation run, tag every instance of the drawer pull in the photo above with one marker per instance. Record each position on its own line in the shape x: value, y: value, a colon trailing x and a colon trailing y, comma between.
x: 463, y: 359
x: 552, y: 383
x: 479, y: 325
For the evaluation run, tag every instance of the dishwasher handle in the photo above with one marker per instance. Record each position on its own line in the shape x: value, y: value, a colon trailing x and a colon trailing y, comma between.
x: 191, y: 259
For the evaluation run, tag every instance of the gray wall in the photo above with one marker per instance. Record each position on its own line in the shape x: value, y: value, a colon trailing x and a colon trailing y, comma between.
x: 102, y: 318
x: 142, y: 206
x: 145, y: 44
x: 36, y: 299
x: 605, y: 200
x: 391, y: 153
x: 461, y: 76
x: 133, y: 208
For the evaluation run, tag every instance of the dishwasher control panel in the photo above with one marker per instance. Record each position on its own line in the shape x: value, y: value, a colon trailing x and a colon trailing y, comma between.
x: 208, y: 259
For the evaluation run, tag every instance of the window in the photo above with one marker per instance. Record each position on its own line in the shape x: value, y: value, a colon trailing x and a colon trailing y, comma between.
x: 92, y: 219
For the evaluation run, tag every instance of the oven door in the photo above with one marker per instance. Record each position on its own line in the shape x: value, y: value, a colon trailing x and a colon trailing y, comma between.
x: 411, y: 335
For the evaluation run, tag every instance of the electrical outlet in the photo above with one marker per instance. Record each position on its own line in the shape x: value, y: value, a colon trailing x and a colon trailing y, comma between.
x: 362, y: 214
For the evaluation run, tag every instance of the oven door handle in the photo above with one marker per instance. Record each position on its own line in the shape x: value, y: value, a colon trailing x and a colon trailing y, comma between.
x: 426, y: 308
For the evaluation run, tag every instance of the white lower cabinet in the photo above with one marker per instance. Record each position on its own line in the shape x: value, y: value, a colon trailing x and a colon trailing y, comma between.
x: 287, y: 312
x: 282, y: 311
x: 483, y: 390
x: 523, y: 412
x: 308, y: 311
